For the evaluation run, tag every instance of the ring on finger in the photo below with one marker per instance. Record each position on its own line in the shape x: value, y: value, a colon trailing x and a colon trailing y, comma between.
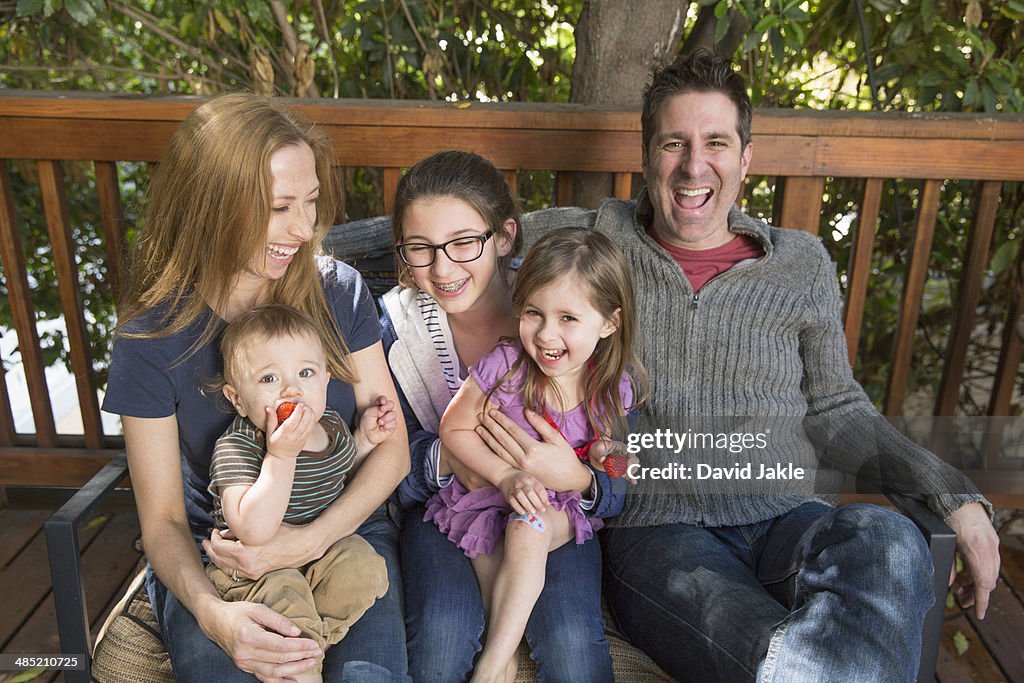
x: 234, y: 575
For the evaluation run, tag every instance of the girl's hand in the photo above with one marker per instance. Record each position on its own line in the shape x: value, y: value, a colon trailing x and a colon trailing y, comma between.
x: 552, y: 460
x: 523, y: 492
x: 288, y: 438
x: 262, y: 642
x: 288, y: 548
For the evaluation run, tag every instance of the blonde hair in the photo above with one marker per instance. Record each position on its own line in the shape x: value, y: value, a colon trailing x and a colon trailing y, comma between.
x: 461, y: 175
x: 601, y: 267
x: 263, y: 323
x: 210, y: 205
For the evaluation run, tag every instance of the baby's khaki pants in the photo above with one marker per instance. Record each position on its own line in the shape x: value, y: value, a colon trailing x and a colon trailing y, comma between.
x: 323, y: 598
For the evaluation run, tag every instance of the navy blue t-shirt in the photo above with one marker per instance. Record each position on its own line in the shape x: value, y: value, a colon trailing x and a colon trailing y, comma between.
x: 148, y: 378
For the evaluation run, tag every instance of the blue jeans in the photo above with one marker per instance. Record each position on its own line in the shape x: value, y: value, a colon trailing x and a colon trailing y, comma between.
x: 373, y: 650
x: 817, y: 594
x: 444, y: 617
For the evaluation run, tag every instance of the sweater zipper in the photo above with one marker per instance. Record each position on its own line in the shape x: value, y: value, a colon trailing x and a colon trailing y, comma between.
x: 696, y: 295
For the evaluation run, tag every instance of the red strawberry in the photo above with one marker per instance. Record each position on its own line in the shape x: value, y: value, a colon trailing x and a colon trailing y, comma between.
x: 615, y: 465
x: 283, y: 411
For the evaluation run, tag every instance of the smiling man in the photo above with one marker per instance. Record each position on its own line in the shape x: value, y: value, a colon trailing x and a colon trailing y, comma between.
x: 695, y: 161
x: 740, y: 319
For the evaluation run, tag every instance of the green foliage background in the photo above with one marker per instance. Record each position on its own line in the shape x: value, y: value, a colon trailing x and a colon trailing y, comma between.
x: 925, y: 55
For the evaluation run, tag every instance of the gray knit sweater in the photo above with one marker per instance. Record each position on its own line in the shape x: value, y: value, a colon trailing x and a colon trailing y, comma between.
x: 764, y: 342
x: 761, y: 348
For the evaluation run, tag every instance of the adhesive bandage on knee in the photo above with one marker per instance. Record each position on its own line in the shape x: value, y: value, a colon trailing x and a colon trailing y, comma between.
x: 531, y: 519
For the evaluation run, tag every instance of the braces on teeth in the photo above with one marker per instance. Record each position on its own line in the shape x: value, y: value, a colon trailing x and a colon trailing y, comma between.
x: 453, y: 287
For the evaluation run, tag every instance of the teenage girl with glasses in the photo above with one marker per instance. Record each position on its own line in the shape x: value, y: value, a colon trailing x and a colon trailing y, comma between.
x: 456, y: 228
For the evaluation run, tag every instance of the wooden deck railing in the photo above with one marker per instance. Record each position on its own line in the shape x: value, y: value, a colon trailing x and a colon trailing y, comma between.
x: 800, y: 150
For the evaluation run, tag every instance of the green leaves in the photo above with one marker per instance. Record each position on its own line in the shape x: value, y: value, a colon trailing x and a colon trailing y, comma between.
x: 1012, y: 9
x: 28, y: 675
x: 766, y: 23
x: 960, y: 642
x: 26, y: 7
x: 722, y: 25
x: 82, y: 11
x: 1005, y: 255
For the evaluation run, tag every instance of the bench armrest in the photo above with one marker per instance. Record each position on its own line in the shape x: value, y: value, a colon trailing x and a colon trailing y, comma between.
x: 66, y: 567
x: 942, y: 545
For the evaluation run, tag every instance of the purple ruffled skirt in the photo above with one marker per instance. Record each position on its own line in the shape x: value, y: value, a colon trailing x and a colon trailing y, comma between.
x: 475, y: 520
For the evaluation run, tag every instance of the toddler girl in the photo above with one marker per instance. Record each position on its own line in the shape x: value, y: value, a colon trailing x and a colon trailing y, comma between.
x: 574, y: 300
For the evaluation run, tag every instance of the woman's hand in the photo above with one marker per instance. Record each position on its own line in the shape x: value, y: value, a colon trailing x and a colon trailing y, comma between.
x: 260, y: 641
x: 286, y: 549
x: 551, y: 460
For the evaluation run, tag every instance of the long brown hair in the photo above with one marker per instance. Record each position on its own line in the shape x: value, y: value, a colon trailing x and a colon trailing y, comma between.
x: 465, y: 176
x: 210, y: 204
x: 607, y: 279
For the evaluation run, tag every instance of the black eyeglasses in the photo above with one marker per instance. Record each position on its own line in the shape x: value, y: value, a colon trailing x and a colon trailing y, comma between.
x: 459, y: 250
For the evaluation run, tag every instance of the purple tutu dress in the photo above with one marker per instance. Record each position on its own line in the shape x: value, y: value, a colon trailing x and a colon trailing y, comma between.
x: 475, y: 520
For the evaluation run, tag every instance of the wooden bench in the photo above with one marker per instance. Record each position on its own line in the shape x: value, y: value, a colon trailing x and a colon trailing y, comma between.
x: 131, y: 644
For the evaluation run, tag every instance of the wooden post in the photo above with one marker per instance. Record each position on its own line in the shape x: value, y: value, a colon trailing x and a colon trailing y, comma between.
x: 391, y: 178
x: 913, y: 291
x: 801, y: 203
x: 968, y: 293
x: 51, y: 183
x: 860, y: 265
x: 12, y: 255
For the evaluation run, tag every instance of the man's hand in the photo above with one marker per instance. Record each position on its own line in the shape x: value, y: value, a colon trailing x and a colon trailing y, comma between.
x: 978, y: 545
x: 602, y: 448
x: 551, y: 460
x: 262, y: 642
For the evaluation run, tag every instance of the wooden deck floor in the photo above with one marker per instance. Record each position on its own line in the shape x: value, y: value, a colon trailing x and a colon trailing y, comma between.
x: 986, y: 651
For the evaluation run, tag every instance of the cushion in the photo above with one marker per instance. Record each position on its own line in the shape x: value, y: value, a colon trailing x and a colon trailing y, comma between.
x: 129, y: 649
x: 128, y: 646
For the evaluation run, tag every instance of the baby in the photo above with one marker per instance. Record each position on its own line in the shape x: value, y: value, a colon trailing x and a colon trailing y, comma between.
x: 284, y: 459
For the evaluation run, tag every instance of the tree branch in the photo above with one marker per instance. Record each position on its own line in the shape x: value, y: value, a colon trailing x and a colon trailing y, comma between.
x: 389, y: 75
x: 287, y: 32
x: 325, y: 35
x: 99, y: 67
x: 702, y: 36
x: 291, y: 42
x: 153, y: 25
x: 431, y: 88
